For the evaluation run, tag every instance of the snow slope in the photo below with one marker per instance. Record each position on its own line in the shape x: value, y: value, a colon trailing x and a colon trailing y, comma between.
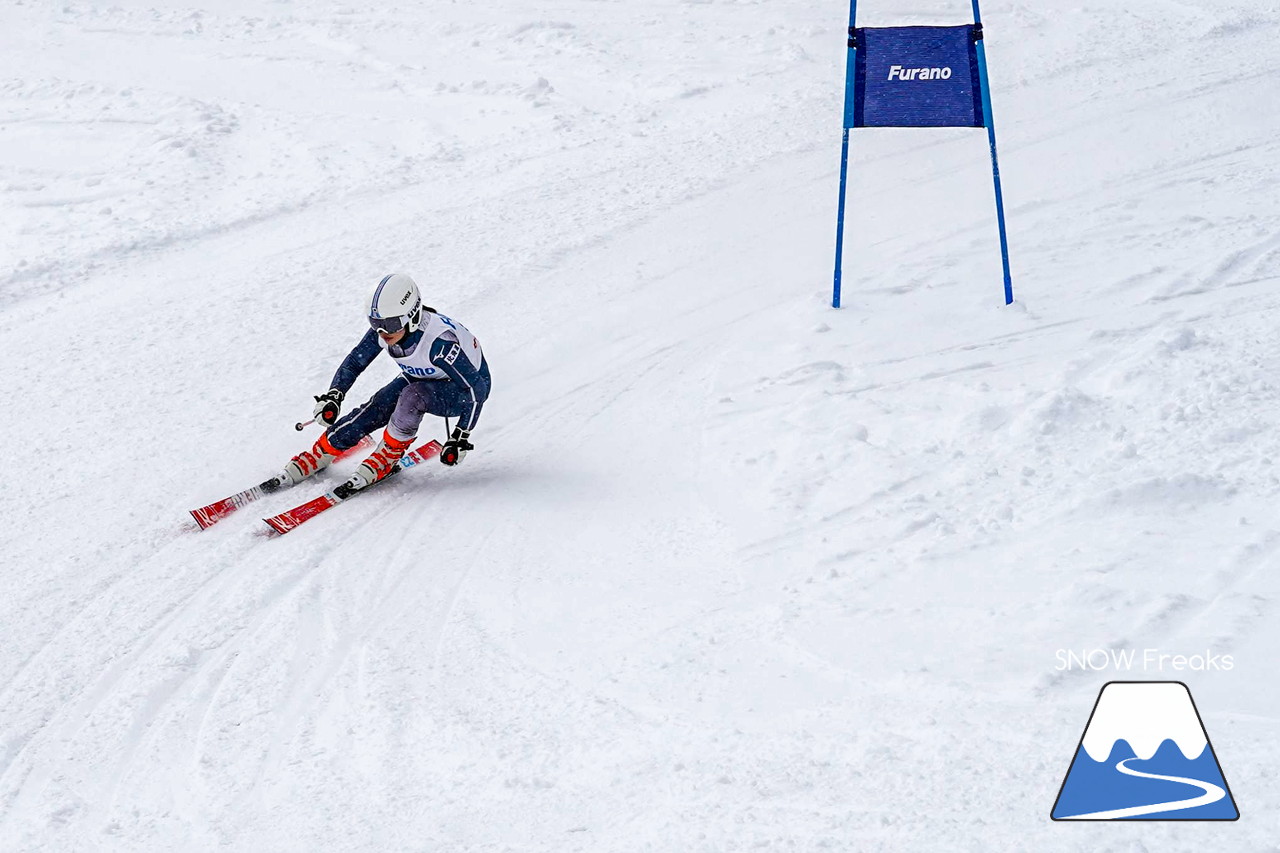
x: 729, y: 569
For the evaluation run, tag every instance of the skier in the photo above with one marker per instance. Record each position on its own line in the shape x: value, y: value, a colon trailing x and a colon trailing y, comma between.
x: 443, y: 373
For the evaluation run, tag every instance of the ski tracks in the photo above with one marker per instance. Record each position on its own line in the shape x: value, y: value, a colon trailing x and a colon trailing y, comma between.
x: 339, y: 622
x: 113, y: 704
x: 159, y: 689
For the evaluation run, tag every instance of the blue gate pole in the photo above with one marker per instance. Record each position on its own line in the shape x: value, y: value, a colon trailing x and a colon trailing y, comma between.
x: 844, y: 155
x: 989, y: 120
x: 844, y: 171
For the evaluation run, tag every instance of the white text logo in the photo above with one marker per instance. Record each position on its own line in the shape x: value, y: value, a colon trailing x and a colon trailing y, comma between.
x: 897, y: 72
x: 1147, y: 660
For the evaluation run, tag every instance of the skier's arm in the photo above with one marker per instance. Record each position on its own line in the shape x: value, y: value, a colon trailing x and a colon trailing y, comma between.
x: 356, y: 361
x: 447, y: 355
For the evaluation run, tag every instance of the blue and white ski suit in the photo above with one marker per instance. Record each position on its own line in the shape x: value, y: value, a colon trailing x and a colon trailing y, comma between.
x: 443, y: 372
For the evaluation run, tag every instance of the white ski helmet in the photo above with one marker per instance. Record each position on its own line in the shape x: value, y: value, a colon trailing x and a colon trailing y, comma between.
x: 396, y: 305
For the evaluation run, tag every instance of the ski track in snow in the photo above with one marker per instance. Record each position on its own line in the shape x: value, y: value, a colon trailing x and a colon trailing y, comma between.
x: 728, y: 569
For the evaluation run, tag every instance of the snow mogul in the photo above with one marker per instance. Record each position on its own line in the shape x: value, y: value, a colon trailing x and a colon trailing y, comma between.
x: 443, y: 372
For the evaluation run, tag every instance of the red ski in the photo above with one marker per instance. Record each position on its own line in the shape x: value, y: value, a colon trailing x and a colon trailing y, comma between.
x: 207, y: 516
x: 286, y: 521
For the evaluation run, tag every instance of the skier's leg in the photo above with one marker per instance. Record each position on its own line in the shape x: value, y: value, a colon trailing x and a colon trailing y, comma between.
x: 368, y: 417
x: 419, y: 399
x: 442, y: 399
x: 346, y: 433
x: 446, y: 399
x: 414, y: 401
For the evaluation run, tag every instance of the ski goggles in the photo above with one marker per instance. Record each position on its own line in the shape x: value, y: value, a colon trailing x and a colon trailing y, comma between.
x: 386, y: 325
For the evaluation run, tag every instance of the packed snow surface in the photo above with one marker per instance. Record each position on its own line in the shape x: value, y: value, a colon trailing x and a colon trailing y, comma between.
x: 728, y: 569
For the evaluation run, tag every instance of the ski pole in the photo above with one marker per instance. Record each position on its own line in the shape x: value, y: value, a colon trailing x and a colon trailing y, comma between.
x: 301, y: 426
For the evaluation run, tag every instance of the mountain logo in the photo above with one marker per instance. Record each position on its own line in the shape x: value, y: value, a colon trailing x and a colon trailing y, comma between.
x: 1145, y: 755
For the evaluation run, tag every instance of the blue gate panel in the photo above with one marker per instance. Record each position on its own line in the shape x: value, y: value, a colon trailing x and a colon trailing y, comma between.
x: 915, y: 77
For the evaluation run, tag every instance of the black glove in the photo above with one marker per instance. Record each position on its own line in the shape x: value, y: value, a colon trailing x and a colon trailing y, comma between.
x: 456, y: 447
x: 328, y: 405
